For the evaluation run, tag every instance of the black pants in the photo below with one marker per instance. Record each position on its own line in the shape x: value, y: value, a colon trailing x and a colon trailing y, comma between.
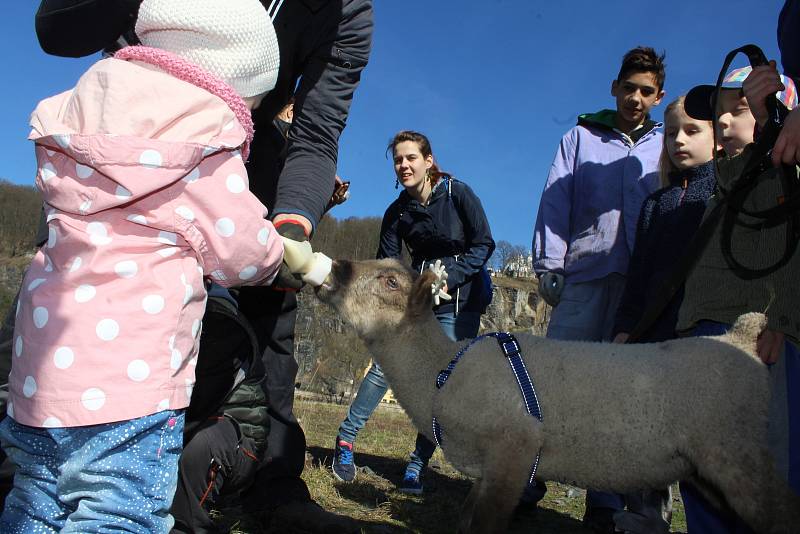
x: 216, y: 461
x: 272, y: 315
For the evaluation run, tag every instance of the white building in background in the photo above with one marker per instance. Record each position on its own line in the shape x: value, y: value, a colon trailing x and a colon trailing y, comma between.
x: 520, y: 266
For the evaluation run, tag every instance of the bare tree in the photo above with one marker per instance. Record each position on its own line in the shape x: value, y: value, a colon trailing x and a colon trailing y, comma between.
x: 19, y: 218
x: 503, y: 254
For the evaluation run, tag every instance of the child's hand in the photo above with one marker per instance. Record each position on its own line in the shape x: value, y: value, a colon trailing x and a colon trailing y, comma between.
x: 787, y: 147
x: 762, y: 82
x: 341, y: 192
x: 769, y: 346
x: 622, y: 337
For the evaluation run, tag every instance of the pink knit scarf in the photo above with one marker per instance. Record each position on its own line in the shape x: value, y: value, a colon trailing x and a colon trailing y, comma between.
x: 191, y: 73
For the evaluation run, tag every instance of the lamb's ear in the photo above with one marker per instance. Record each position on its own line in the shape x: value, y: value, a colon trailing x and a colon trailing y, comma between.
x: 420, y: 298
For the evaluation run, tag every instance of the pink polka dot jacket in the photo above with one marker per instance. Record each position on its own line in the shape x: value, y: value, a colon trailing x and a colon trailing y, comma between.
x: 146, y: 194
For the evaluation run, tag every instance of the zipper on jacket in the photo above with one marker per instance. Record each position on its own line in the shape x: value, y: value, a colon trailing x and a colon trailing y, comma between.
x: 684, y: 187
x: 458, y: 292
x: 626, y: 138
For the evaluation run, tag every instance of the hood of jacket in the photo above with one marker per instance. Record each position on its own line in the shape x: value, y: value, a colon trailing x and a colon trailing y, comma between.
x: 126, y: 130
x: 606, y: 118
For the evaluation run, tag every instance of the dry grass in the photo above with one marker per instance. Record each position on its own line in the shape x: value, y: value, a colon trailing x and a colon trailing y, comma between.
x: 528, y: 284
x: 372, y: 500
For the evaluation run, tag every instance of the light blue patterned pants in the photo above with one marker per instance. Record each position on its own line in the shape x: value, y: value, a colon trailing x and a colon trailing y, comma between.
x: 117, y: 477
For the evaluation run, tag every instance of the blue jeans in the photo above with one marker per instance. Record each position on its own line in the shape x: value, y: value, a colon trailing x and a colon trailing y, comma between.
x: 111, y: 477
x: 701, y: 516
x: 586, y: 313
x: 373, y: 388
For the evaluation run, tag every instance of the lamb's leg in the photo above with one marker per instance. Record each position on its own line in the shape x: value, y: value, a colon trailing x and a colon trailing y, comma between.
x: 468, y: 508
x: 745, y: 474
x: 498, y: 491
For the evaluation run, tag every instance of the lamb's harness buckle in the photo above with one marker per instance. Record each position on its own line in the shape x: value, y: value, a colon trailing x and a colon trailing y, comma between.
x: 511, y: 349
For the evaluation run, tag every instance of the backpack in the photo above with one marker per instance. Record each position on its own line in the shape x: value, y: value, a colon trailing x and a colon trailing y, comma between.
x: 228, y: 355
x: 482, y: 281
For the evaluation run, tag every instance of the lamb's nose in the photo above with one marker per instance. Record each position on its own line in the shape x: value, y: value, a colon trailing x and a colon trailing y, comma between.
x: 342, y: 271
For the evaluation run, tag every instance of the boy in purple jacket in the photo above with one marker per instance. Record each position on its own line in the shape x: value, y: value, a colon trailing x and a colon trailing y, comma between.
x: 585, y: 229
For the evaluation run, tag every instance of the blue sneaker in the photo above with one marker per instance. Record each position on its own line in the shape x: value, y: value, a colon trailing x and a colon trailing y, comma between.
x: 343, y: 467
x: 411, y: 483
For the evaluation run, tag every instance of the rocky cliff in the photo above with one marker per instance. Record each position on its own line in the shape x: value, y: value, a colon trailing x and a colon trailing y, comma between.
x: 516, y: 307
x: 332, y: 359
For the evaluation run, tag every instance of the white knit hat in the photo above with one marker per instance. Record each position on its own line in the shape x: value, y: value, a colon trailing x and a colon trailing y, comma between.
x: 232, y: 39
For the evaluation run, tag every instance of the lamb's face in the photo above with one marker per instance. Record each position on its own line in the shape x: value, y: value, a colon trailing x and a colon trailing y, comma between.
x: 373, y: 296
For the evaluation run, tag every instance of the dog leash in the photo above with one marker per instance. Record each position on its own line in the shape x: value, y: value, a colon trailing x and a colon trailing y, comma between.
x: 511, y: 349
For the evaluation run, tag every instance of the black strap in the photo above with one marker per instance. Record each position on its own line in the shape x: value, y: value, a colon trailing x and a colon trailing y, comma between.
x: 678, y: 275
x: 757, y: 161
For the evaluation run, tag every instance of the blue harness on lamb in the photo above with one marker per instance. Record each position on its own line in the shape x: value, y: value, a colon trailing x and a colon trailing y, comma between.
x: 510, y: 347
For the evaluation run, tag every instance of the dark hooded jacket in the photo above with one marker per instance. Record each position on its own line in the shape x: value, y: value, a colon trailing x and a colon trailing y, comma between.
x: 452, y: 228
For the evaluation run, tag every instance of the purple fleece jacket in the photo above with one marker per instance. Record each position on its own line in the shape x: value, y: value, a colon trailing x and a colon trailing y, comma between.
x: 586, y: 225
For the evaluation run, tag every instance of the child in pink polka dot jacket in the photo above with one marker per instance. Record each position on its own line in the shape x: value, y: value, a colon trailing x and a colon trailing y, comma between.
x: 142, y: 174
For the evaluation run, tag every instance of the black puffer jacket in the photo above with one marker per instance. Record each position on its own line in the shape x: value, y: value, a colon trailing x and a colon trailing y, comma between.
x: 453, y: 228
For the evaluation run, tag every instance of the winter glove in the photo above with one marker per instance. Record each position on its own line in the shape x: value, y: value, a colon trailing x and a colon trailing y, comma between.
x: 550, y: 287
x: 437, y: 287
x: 286, y: 280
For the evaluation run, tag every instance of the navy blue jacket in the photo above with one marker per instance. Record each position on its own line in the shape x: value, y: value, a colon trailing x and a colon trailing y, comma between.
x: 668, y: 220
x: 453, y: 228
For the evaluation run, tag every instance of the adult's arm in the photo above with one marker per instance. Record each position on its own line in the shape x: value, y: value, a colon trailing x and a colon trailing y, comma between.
x: 322, y: 103
x: 77, y: 28
x: 552, y: 230
x: 477, y: 235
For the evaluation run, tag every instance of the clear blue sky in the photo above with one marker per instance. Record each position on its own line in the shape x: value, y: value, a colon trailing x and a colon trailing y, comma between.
x: 494, y: 84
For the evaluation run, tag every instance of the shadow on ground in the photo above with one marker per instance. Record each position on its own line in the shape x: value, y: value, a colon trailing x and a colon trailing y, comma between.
x: 437, y: 510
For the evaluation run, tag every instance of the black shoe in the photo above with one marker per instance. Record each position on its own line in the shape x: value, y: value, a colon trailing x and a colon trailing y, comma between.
x: 600, y: 520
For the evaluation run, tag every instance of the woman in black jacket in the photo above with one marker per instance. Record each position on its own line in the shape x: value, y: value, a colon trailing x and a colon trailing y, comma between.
x: 437, y: 218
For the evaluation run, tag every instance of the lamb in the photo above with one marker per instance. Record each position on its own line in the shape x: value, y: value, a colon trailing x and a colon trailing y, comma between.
x: 615, y: 417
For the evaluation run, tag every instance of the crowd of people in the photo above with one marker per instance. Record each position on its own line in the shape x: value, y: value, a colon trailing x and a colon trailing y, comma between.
x: 151, y: 367
x: 621, y: 210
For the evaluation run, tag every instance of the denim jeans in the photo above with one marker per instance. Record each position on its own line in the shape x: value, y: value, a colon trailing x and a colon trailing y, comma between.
x: 373, y: 388
x: 111, y: 477
x: 701, y: 516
